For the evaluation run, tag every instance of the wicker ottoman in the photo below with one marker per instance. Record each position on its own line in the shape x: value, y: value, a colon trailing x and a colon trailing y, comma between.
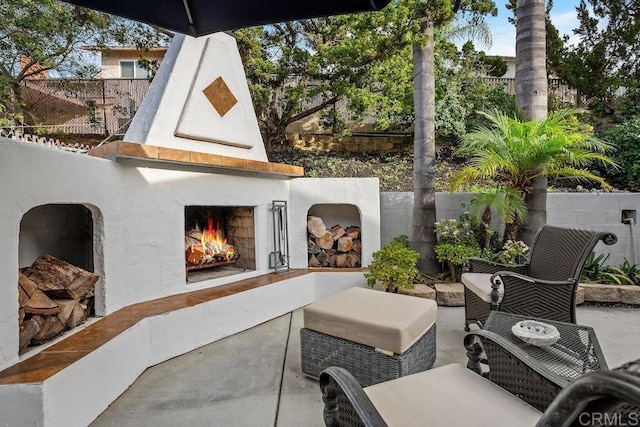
x: 377, y: 336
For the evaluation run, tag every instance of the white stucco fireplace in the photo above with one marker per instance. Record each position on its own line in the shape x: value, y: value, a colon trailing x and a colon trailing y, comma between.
x: 121, y: 213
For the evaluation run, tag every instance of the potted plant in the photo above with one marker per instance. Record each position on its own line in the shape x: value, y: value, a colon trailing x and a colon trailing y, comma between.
x: 394, y: 266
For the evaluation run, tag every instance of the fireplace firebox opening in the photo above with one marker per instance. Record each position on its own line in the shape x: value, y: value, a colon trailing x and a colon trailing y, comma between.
x: 333, y: 236
x: 219, y: 241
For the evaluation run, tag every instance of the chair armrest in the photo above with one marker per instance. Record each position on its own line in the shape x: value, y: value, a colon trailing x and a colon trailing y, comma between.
x: 480, y: 265
x: 339, y: 387
x: 512, y: 369
x: 530, y: 279
x: 605, y: 395
x: 547, y: 299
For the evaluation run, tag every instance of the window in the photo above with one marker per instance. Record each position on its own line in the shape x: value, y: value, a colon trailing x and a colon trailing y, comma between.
x: 132, y: 70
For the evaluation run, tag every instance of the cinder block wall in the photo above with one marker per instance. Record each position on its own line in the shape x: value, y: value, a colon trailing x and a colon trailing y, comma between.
x: 596, y: 211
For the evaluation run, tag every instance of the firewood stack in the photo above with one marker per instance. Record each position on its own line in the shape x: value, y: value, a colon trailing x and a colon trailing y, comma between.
x: 54, y: 296
x: 334, y: 247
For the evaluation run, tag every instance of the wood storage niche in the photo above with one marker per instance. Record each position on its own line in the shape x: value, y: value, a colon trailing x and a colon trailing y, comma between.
x: 333, y: 236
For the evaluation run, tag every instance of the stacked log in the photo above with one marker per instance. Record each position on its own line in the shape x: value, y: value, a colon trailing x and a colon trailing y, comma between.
x: 54, y: 296
x: 334, y: 247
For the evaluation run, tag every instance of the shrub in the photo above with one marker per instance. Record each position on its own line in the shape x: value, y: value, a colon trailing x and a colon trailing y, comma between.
x: 456, y: 244
x: 626, y: 139
x: 393, y: 267
x: 512, y: 252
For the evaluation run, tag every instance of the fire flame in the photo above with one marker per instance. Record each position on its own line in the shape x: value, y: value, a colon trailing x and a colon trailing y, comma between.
x: 213, y: 242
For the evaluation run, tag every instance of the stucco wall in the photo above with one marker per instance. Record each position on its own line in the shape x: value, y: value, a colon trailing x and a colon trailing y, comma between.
x: 597, y: 211
x: 138, y: 220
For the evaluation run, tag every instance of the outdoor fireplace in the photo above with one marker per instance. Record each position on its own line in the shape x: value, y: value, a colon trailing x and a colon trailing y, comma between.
x: 219, y: 241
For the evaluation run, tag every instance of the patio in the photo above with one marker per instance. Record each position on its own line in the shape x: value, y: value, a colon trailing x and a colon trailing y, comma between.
x: 253, y: 378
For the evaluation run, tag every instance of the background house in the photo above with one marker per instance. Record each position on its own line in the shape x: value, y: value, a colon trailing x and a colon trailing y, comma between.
x: 123, y: 62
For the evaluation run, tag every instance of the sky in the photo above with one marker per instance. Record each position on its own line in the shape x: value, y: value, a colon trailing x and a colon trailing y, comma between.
x: 563, y: 16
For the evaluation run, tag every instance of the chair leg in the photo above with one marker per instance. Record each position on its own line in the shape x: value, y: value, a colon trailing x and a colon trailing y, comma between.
x: 475, y: 309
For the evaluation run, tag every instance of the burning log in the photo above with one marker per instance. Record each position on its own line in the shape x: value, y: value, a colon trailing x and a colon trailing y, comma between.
x: 208, y: 248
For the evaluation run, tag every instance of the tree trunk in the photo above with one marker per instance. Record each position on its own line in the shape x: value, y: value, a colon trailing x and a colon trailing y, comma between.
x: 511, y: 231
x: 424, y: 195
x: 485, y: 224
x: 531, y: 95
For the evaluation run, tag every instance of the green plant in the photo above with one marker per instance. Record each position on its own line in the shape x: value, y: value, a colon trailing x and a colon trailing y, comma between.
x: 626, y: 138
x: 393, y: 267
x: 456, y: 244
x: 631, y: 271
x: 512, y: 252
x: 507, y: 202
x: 515, y: 153
x: 596, y: 270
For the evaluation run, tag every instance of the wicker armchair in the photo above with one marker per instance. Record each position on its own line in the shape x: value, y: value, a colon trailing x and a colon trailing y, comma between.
x: 536, y: 376
x: 608, y: 397
x: 544, y: 287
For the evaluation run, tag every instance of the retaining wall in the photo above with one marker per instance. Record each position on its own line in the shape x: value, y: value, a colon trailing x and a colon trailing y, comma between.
x: 597, y: 211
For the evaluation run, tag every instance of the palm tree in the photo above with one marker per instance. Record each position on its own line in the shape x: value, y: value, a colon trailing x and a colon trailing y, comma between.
x: 516, y: 153
x: 508, y: 204
x: 424, y: 152
x: 531, y: 94
x: 431, y: 14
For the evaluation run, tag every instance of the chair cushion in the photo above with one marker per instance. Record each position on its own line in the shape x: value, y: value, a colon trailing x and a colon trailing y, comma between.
x: 386, y: 321
x: 450, y: 395
x: 480, y: 284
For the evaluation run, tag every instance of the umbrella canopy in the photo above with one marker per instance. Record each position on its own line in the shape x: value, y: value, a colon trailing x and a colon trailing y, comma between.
x: 201, y: 17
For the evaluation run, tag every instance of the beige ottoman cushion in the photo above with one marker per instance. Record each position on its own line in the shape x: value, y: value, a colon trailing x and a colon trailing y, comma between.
x: 480, y: 284
x: 450, y: 395
x: 382, y: 320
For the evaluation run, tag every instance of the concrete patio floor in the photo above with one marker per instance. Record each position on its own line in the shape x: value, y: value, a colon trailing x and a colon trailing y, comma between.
x: 254, y: 378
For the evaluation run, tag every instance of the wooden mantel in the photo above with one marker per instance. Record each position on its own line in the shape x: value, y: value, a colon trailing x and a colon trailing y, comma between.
x: 129, y: 150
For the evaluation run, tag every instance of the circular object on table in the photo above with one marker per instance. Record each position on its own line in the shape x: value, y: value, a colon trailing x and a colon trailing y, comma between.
x: 536, y: 333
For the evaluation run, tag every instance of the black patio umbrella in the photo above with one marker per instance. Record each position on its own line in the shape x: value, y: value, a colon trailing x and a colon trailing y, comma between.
x: 201, y: 17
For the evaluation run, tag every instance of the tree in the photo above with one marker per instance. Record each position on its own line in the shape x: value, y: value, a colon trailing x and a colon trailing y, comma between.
x: 605, y: 64
x: 531, y: 97
x: 299, y: 68
x: 363, y: 59
x: 508, y: 204
x: 39, y: 36
x: 432, y: 14
x: 356, y: 67
x: 515, y: 153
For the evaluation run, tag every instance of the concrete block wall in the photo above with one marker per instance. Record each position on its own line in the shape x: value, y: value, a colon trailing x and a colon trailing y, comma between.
x: 598, y: 211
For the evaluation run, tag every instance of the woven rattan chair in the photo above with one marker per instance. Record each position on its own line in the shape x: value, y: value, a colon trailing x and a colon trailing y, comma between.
x: 544, y: 287
x: 537, y: 375
x: 424, y: 399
